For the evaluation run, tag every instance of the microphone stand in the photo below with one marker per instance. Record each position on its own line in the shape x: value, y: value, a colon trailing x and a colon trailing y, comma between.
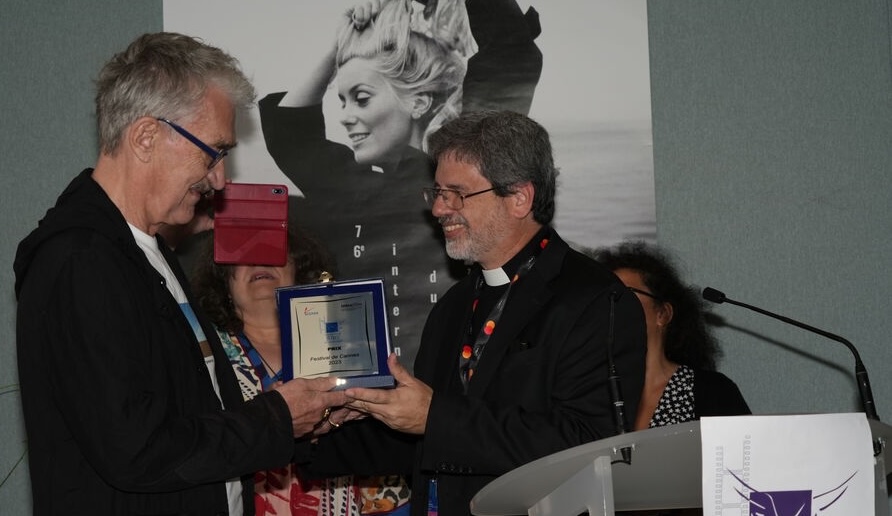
x: 613, y: 383
x: 867, y: 404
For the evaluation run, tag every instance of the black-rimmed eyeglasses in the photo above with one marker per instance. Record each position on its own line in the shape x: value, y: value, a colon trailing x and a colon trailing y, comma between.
x: 644, y: 293
x: 216, y: 155
x: 453, y: 199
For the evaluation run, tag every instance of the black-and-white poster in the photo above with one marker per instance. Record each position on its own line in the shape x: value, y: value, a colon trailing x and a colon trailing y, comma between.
x: 348, y: 92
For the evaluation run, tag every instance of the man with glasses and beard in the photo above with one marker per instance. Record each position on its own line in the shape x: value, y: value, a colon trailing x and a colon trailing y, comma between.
x: 515, y: 358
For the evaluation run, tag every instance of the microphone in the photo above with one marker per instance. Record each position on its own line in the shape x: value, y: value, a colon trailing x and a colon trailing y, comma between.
x: 613, y: 383
x: 718, y: 297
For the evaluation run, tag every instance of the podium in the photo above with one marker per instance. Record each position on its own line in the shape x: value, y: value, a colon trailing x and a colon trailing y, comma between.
x: 665, y: 473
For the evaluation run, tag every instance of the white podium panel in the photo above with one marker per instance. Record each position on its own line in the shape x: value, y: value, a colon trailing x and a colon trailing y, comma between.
x: 665, y: 474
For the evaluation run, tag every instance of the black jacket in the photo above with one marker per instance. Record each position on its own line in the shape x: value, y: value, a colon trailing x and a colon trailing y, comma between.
x: 717, y: 395
x: 119, y: 408
x: 541, y: 385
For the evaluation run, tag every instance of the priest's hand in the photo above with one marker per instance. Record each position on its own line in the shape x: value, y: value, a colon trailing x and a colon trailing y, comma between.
x: 402, y: 408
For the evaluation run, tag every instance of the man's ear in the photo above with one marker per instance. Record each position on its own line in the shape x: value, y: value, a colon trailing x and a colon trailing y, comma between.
x: 522, y: 199
x: 141, y: 138
x: 421, y: 104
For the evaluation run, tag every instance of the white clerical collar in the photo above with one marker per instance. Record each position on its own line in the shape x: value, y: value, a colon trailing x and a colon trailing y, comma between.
x: 495, y: 277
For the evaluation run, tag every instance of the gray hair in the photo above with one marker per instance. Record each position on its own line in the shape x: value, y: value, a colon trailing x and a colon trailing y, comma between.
x: 163, y: 74
x: 508, y: 148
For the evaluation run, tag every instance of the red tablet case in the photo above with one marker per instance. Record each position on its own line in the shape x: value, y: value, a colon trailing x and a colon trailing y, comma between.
x: 251, y: 224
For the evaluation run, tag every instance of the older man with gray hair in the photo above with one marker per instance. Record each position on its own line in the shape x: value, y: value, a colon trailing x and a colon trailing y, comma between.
x: 130, y: 404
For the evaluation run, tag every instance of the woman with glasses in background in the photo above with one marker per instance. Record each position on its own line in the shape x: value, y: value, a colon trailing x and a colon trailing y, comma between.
x: 680, y: 383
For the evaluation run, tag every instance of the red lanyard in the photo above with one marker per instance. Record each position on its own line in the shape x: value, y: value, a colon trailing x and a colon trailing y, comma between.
x: 470, y: 355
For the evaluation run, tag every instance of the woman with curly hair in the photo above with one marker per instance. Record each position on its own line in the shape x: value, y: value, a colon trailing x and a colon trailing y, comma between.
x: 241, y: 302
x: 681, y: 383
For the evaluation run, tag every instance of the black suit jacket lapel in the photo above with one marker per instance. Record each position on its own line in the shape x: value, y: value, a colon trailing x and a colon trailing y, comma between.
x: 529, y: 295
x: 230, y: 393
x: 449, y: 335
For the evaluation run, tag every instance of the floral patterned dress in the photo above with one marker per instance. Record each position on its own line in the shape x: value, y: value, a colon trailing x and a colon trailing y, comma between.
x: 677, y: 401
x: 280, y: 491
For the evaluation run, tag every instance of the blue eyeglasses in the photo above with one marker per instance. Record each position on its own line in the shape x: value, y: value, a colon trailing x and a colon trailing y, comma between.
x: 216, y: 155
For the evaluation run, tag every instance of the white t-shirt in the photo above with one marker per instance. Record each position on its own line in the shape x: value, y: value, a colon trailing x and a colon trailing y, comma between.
x: 149, y: 246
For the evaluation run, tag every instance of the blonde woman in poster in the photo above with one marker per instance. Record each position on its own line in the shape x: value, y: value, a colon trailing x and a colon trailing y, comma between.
x: 401, y: 69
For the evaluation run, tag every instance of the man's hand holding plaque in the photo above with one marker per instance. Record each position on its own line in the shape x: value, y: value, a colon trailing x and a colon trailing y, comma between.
x: 403, y: 408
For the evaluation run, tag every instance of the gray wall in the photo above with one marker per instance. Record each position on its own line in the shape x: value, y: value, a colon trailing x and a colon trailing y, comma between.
x: 51, y: 52
x: 772, y: 127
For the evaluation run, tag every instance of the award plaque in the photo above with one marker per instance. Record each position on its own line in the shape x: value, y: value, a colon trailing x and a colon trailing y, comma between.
x: 336, y: 328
